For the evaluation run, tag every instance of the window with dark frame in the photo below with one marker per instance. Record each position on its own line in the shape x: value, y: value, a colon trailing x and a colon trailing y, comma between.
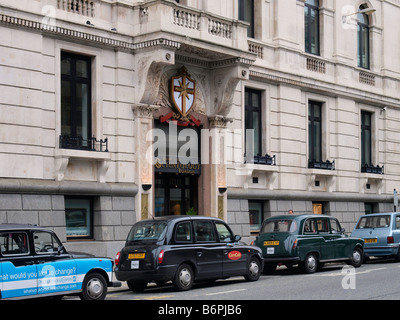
x: 253, y: 121
x: 76, y: 105
x: 256, y: 215
x: 363, y: 39
x: 315, y: 131
x: 370, y: 207
x: 311, y: 27
x: 246, y: 13
x: 79, y: 218
x: 366, y: 138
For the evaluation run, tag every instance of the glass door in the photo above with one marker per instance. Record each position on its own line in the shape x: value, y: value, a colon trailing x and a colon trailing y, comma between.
x: 175, y: 194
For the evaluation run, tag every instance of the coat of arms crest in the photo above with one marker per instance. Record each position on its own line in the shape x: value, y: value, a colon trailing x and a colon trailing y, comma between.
x: 182, y: 97
x: 183, y: 92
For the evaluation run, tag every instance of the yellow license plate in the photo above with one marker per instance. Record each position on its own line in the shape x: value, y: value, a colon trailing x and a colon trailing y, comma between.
x: 271, y: 243
x: 370, y: 240
x: 136, y: 256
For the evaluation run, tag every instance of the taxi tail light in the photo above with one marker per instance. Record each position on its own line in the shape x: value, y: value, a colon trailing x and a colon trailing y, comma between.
x: 161, y: 256
x: 390, y: 240
x: 117, y: 257
x: 294, y: 244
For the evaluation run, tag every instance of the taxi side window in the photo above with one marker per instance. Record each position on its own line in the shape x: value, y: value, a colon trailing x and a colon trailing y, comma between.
x: 204, y: 231
x: 183, y: 233
x: 309, y: 227
x: 14, y: 243
x: 223, y: 232
x: 323, y: 226
x: 44, y: 242
x: 335, y: 226
x: 397, y: 222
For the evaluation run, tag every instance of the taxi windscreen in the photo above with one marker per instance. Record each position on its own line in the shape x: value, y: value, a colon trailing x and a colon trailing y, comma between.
x: 282, y: 225
x: 148, y: 232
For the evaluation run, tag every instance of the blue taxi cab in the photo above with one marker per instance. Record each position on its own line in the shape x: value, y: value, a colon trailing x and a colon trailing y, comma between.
x: 381, y: 233
x: 34, y: 263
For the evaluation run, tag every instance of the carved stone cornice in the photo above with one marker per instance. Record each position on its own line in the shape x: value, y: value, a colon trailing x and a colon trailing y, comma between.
x: 218, y: 121
x: 144, y: 110
x: 103, y: 40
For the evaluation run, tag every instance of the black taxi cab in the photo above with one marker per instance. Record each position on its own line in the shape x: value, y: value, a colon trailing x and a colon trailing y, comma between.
x: 184, y: 249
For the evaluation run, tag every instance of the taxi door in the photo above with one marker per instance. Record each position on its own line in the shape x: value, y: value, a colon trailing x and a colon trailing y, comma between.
x: 339, y: 240
x: 327, y: 243
x: 18, y: 271
x: 56, y: 270
x: 234, y: 256
x: 208, y: 250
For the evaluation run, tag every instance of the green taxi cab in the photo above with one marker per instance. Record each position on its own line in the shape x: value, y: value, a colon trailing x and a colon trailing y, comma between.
x: 308, y: 241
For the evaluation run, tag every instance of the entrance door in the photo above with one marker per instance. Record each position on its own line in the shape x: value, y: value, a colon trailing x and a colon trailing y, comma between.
x: 175, y: 194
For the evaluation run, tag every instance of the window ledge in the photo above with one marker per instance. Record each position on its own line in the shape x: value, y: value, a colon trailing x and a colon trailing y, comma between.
x: 63, y: 156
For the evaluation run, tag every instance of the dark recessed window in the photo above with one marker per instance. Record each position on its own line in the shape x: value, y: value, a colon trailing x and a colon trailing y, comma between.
x: 256, y: 215
x: 366, y: 138
x: 315, y: 131
x: 311, y: 19
x: 76, y: 105
x: 79, y: 218
x: 246, y: 13
x: 253, y: 122
x: 363, y: 39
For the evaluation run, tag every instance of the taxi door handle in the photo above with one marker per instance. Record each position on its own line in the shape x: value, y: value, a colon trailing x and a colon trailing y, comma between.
x: 225, y: 251
x: 199, y: 253
x: 29, y: 263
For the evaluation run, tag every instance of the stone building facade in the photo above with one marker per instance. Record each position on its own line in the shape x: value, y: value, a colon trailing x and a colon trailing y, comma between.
x: 114, y: 111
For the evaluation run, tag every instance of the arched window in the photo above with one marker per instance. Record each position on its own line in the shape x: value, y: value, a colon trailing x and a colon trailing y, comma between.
x: 311, y: 26
x: 363, y: 38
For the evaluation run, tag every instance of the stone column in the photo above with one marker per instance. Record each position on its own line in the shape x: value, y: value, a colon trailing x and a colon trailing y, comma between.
x: 144, y: 159
x: 218, y: 167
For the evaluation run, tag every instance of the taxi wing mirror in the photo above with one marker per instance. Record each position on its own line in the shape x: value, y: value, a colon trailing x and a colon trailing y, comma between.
x: 60, y: 250
x: 236, y: 238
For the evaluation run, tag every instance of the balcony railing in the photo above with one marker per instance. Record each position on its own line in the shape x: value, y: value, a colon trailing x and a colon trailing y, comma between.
x: 264, y: 160
x: 370, y: 168
x: 91, y: 144
x: 324, y: 165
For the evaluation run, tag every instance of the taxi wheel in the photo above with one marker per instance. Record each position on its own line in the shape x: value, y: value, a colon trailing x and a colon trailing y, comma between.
x: 310, y: 263
x: 183, y: 278
x: 356, y: 258
x: 254, y: 272
x: 94, y: 287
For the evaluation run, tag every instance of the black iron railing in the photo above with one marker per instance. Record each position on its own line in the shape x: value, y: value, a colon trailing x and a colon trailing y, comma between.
x: 370, y: 168
x: 265, y: 160
x: 91, y: 144
x: 325, y: 165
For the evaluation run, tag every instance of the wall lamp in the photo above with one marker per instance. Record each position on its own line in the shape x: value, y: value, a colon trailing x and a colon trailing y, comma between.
x: 367, y: 11
x: 89, y: 23
x: 146, y: 187
x: 222, y: 190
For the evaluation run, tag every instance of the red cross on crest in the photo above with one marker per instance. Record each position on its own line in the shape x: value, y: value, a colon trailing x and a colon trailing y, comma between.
x: 183, y: 92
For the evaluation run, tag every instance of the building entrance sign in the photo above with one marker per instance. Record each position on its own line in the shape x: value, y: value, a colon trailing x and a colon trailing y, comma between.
x: 164, y: 166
